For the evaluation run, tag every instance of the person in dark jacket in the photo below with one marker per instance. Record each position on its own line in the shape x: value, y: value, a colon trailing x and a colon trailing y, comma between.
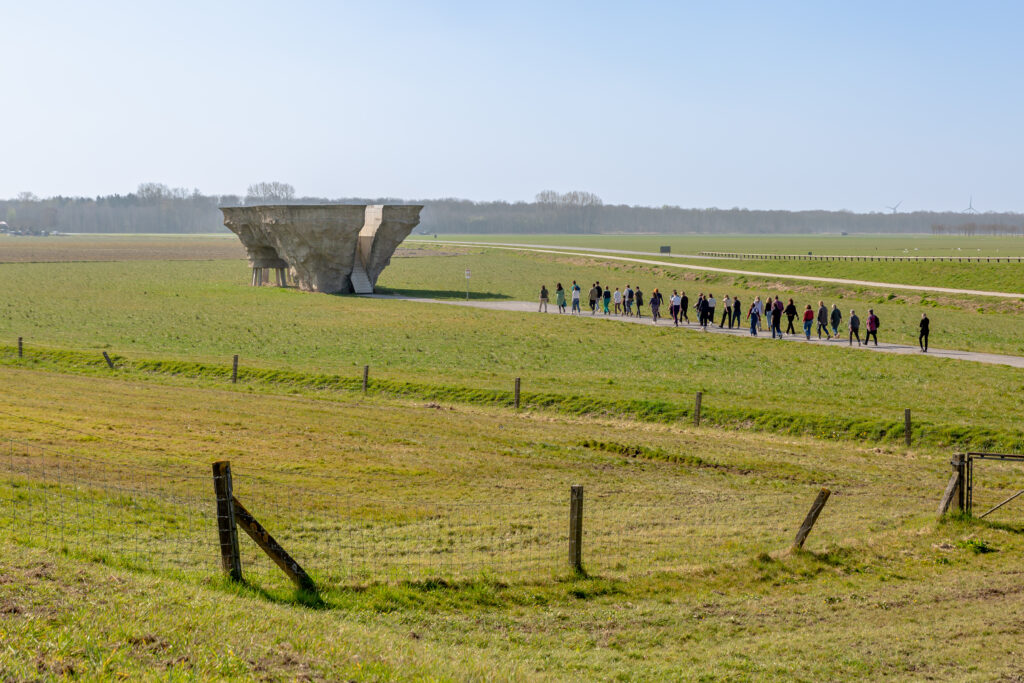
x: 873, y: 324
x: 922, y: 337
x: 656, y: 300
x: 684, y: 306
x: 737, y: 311
x: 543, y: 299
x: 823, y: 320
x: 639, y: 299
x: 791, y: 314
x: 835, y: 318
x: 777, y: 309
x: 854, y: 327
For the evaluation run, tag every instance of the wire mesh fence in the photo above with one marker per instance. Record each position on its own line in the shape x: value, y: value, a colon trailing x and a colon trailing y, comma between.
x: 164, y: 519
x: 92, y: 507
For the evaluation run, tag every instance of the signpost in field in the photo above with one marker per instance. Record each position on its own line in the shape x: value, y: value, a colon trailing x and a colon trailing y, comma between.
x: 467, y: 284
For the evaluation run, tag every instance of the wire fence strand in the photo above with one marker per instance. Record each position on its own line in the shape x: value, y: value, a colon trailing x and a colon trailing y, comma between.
x: 166, y: 522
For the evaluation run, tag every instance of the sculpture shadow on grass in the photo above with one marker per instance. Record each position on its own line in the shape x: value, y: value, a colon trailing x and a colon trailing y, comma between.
x: 441, y: 294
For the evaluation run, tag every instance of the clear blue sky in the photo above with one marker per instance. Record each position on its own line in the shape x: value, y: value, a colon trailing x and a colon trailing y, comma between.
x: 795, y: 105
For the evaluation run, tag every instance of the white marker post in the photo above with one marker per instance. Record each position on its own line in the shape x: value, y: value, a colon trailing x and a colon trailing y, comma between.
x: 467, y: 284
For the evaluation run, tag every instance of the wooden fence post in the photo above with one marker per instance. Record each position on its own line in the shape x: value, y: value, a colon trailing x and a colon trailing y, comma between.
x: 906, y: 425
x: 234, y: 369
x: 517, y: 393
x: 576, y: 527
x: 110, y: 363
x: 366, y: 377
x: 951, y: 490
x: 271, y: 547
x: 230, y: 560
x: 812, y: 517
x: 960, y: 467
x: 21, y: 353
x: 696, y: 409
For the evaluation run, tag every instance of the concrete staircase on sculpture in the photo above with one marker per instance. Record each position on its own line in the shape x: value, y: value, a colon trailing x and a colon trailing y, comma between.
x: 360, y: 280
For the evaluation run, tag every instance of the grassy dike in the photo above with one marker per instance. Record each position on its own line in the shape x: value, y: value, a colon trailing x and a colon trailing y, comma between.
x: 828, y: 425
x: 883, y: 589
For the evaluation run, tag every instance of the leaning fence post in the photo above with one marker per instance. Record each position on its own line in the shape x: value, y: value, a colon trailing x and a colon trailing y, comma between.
x: 576, y: 527
x: 271, y: 547
x: 952, y: 488
x: 696, y: 409
x: 366, y: 377
x: 226, y: 528
x: 906, y: 425
x: 110, y: 363
x: 960, y: 467
x: 20, y: 352
x: 517, y: 393
x: 811, y: 518
x: 234, y: 369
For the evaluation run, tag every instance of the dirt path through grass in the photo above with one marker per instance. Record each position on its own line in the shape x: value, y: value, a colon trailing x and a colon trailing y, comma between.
x: 608, y: 254
x: 744, y: 331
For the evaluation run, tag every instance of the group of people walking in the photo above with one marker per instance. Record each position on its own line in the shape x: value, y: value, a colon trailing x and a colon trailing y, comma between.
x: 770, y: 312
x: 628, y: 302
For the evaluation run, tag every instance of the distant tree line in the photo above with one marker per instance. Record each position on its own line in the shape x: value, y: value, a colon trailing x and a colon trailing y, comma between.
x: 156, y: 208
x: 971, y: 229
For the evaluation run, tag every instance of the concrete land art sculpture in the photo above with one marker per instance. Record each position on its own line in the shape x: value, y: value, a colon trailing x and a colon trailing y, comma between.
x: 332, y: 248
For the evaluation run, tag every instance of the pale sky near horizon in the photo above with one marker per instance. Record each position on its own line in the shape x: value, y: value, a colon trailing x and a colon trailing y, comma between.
x: 775, y: 105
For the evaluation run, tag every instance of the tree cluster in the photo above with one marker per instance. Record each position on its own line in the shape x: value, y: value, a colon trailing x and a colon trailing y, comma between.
x: 971, y: 229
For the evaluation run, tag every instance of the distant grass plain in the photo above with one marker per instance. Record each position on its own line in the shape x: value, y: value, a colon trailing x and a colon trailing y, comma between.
x: 821, y: 244
x: 204, y: 311
x: 705, y: 591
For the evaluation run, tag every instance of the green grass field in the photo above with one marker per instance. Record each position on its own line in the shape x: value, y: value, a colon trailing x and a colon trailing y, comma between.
x: 434, y: 517
x: 958, y: 321
x: 203, y: 311
x: 864, y: 245
x: 999, y: 277
x: 697, y: 586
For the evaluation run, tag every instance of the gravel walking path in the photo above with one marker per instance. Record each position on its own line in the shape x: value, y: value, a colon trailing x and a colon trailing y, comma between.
x: 609, y: 254
x: 531, y: 307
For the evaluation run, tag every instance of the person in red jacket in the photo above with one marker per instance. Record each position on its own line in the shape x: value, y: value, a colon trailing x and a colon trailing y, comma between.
x: 808, y: 321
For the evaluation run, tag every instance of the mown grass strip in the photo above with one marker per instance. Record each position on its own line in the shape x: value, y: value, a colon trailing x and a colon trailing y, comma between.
x: 826, y: 426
